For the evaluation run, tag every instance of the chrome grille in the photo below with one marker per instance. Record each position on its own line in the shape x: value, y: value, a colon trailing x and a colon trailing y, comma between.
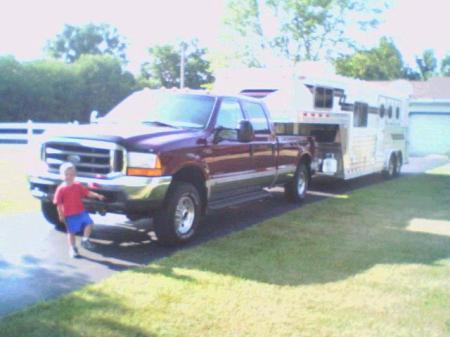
x: 90, y: 158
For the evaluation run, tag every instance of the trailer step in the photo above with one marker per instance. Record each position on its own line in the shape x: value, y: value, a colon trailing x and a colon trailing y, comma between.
x: 238, y: 200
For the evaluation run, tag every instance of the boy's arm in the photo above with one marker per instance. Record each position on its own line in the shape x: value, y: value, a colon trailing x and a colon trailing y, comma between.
x: 60, y: 209
x: 95, y: 195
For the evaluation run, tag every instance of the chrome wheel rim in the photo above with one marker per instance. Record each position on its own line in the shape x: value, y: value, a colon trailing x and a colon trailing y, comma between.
x: 301, y: 183
x: 184, y: 215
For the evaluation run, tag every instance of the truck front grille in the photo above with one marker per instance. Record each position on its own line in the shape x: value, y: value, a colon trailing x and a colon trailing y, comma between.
x: 91, y: 158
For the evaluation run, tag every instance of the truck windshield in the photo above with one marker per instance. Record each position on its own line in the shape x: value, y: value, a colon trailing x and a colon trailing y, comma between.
x: 163, y: 108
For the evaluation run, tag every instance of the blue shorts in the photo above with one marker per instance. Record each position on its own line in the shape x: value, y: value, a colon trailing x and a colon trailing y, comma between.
x: 78, y: 222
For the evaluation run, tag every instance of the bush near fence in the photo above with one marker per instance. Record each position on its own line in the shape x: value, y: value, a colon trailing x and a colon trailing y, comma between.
x: 53, y: 91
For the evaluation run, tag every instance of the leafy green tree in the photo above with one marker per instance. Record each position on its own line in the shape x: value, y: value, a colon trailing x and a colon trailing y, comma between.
x: 445, y: 65
x: 12, y: 85
x: 163, y: 68
x: 410, y: 74
x: 297, y: 29
x: 383, y: 62
x: 51, y: 90
x: 427, y: 64
x: 103, y: 83
x: 92, y: 39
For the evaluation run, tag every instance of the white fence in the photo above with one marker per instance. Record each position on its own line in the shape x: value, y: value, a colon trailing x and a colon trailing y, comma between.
x: 22, y: 133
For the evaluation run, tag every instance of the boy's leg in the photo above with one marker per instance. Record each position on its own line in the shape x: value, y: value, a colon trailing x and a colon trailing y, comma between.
x: 71, y: 239
x: 87, y: 231
x: 85, y: 242
x: 73, y: 251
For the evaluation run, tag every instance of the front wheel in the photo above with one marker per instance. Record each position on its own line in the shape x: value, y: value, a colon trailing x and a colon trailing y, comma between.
x: 178, y: 220
x: 50, y: 214
x: 295, y: 190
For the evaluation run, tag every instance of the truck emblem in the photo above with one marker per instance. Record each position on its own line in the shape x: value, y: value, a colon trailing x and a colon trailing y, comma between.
x: 74, y: 159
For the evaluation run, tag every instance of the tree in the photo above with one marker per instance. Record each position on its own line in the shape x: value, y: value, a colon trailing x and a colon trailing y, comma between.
x: 427, y: 64
x: 51, y: 90
x: 103, y: 83
x: 380, y: 63
x: 89, y: 39
x: 298, y: 29
x: 163, y: 69
x: 445, y: 65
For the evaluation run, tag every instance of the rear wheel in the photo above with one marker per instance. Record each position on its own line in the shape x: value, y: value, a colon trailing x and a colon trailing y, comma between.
x: 295, y: 190
x: 178, y: 220
x: 389, y: 173
x: 398, y: 166
x: 51, y: 215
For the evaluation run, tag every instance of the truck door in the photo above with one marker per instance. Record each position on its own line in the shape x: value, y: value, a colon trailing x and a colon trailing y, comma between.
x: 263, y: 147
x: 230, y: 164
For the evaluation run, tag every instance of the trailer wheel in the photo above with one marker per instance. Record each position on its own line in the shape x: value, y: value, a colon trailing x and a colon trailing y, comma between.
x: 50, y: 214
x: 389, y: 173
x: 178, y: 220
x: 398, y: 166
x: 295, y: 190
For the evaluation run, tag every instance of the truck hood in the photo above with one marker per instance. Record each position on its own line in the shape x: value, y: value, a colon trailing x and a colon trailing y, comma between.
x: 129, y: 136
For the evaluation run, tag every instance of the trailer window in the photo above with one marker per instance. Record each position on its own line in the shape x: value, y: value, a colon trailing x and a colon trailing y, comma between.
x: 390, y: 112
x: 360, y: 115
x: 323, y: 98
x: 397, y: 113
x: 256, y: 115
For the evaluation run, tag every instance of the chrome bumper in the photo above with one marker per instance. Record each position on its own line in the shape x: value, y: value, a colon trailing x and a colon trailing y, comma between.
x: 123, y: 193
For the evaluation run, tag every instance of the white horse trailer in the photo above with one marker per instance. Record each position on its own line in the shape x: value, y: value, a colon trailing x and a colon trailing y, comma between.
x: 359, y: 127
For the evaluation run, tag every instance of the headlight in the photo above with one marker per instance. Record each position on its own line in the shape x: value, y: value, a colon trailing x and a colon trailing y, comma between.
x: 143, y: 164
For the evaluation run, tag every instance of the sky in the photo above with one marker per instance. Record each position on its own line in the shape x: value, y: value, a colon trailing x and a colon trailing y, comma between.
x: 25, y: 26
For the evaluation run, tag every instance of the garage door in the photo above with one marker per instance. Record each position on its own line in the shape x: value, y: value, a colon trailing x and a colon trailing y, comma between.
x: 429, y: 134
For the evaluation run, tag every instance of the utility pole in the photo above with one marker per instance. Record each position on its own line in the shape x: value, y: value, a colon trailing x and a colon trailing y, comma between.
x: 182, y: 61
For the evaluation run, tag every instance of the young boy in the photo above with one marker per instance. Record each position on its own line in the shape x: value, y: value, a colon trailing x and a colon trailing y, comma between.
x: 68, y: 200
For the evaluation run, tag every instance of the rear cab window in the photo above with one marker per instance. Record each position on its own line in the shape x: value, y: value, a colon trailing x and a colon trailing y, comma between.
x: 257, y: 116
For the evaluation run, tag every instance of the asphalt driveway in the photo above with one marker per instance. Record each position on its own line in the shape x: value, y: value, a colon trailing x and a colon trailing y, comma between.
x: 35, y: 265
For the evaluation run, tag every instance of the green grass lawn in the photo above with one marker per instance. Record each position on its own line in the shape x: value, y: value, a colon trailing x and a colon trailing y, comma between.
x: 374, y: 264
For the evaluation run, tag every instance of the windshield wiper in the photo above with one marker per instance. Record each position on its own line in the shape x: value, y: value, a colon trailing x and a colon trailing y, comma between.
x: 161, y: 124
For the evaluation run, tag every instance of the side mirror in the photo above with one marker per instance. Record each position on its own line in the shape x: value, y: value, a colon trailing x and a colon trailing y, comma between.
x: 245, y: 131
x: 217, y: 135
x: 93, y: 118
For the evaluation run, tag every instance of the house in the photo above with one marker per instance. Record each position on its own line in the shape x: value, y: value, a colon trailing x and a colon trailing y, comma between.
x: 429, y: 117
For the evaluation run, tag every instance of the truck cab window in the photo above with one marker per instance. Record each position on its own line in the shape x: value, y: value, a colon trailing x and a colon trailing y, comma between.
x: 256, y: 115
x: 228, y: 117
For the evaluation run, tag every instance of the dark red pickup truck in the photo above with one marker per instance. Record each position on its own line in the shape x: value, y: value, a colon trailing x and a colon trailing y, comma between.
x: 171, y: 155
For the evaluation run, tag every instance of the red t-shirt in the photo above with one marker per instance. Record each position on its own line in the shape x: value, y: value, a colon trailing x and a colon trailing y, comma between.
x: 70, y: 197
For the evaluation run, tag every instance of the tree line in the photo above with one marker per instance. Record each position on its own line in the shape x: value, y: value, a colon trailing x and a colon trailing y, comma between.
x: 85, y: 67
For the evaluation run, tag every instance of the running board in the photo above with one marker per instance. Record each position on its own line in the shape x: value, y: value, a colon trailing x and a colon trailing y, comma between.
x: 238, y: 200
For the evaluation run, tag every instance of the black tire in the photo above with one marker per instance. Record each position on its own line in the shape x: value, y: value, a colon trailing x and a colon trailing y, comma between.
x: 50, y: 214
x: 295, y: 190
x: 398, y: 166
x: 134, y: 216
x: 389, y: 173
x: 172, y: 228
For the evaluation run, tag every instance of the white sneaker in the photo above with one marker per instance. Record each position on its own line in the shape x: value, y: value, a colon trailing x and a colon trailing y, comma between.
x: 87, y: 244
x: 73, y: 252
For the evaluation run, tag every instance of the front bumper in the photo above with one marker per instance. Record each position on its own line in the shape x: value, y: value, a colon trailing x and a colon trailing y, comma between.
x: 123, y: 194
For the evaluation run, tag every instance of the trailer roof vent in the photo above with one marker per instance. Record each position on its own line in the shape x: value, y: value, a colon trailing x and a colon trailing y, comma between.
x: 257, y: 93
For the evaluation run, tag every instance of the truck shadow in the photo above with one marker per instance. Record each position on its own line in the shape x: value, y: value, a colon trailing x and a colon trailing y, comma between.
x: 330, y: 250
x: 129, y: 244
x: 339, y: 249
